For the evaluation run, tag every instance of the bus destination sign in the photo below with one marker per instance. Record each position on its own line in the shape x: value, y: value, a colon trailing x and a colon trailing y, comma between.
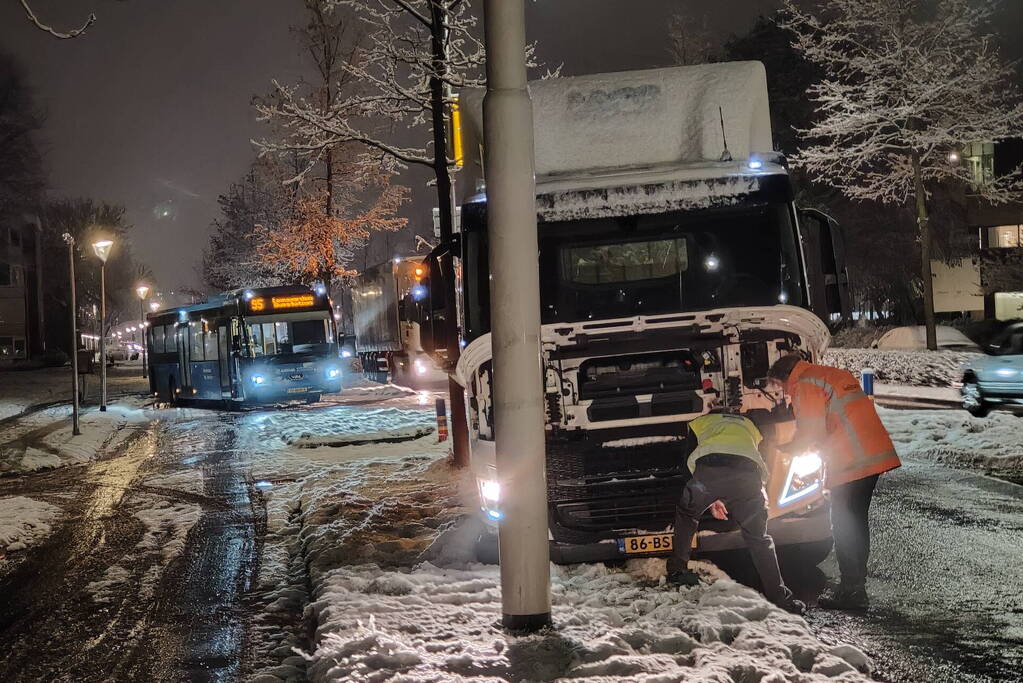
x: 279, y: 303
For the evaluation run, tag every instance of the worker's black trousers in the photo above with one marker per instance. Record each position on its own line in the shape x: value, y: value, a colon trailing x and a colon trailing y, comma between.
x: 736, y: 481
x: 850, y: 504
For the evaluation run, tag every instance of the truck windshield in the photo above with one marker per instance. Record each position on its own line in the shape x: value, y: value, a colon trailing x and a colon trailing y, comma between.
x: 648, y: 265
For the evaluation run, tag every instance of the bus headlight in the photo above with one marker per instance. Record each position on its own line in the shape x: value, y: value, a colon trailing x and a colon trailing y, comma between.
x: 333, y: 373
x: 257, y: 379
x: 805, y: 477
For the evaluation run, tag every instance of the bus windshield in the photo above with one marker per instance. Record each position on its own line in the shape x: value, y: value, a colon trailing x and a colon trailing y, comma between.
x: 288, y: 336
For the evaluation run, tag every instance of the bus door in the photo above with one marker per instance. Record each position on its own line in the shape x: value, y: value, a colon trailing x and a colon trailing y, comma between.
x: 183, y: 341
x: 224, y: 347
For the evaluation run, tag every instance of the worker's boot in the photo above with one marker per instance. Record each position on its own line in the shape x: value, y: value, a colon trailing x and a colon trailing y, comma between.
x: 684, y: 578
x: 793, y: 606
x: 852, y: 598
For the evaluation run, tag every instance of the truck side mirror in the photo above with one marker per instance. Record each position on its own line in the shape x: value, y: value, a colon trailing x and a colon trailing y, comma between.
x: 824, y: 248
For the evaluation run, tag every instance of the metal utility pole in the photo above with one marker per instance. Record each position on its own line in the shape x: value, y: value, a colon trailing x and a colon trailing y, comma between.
x: 143, y: 291
x: 515, y: 320
x: 69, y: 238
x: 102, y: 249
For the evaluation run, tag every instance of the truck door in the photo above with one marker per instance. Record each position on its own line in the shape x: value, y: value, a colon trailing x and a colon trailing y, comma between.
x: 823, y: 245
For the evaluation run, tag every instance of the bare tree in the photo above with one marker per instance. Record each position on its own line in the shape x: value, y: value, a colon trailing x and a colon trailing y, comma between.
x: 691, y: 39
x: 907, y: 85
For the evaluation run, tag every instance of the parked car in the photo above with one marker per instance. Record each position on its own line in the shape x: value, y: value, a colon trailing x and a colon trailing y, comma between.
x: 915, y: 337
x: 997, y: 377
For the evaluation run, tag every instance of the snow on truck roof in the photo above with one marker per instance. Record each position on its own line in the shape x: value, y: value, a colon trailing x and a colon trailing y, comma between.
x: 656, y: 128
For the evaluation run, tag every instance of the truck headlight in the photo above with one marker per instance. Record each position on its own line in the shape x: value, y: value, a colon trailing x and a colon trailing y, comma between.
x: 345, y: 353
x: 490, y: 490
x: 805, y: 476
x: 420, y: 367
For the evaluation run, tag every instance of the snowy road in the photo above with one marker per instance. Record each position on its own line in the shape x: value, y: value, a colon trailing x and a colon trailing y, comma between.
x: 946, y: 579
x: 102, y: 597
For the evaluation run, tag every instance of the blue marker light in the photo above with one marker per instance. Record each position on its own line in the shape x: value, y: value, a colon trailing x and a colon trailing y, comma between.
x: 418, y: 292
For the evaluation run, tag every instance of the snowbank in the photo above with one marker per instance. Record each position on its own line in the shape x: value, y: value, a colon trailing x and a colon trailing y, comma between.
x: 54, y: 445
x: 993, y: 444
x: 20, y: 390
x: 372, y: 543
x: 434, y: 623
x: 916, y: 368
x: 24, y: 522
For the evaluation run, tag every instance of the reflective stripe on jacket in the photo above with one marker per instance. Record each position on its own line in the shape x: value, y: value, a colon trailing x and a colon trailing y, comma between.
x: 832, y: 412
x: 727, y: 435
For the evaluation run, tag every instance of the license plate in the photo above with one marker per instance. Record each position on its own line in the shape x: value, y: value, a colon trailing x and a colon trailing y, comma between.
x: 638, y: 545
x: 298, y: 390
x: 295, y: 376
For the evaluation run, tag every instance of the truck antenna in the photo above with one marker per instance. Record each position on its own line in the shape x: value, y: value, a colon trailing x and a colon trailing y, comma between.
x: 725, y: 155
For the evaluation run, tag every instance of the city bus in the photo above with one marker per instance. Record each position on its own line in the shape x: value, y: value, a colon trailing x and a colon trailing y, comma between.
x: 248, y: 346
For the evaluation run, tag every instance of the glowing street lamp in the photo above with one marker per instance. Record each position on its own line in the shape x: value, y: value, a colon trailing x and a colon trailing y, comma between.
x: 102, y: 249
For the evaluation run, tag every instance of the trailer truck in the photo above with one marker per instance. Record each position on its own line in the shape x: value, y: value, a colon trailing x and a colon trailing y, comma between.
x: 675, y: 268
x: 385, y: 300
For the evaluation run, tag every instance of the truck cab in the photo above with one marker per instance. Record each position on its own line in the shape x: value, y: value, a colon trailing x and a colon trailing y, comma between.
x: 675, y: 269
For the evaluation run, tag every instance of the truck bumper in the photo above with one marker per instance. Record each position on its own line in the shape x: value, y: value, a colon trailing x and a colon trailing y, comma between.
x: 785, y: 530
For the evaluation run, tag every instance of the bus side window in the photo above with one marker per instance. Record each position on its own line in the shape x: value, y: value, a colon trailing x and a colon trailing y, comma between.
x: 210, y: 344
x: 157, y: 332
x: 195, y: 350
x: 256, y: 332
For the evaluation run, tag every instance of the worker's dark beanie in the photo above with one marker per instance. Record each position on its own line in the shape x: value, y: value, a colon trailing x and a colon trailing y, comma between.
x: 783, y: 367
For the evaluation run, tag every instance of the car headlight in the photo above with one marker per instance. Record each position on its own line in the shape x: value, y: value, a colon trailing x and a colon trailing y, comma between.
x: 805, y: 476
x: 333, y: 373
x: 257, y: 379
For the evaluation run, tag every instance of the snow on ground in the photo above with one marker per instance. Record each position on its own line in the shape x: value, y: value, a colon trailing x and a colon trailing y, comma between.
x: 24, y: 522
x: 167, y: 525
x: 916, y: 368
x: 22, y: 389
x: 993, y: 444
x: 55, y: 445
x: 376, y: 539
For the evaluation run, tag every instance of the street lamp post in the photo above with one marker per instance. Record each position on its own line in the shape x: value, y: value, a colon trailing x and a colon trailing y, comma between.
x: 143, y: 292
x: 102, y: 249
x: 69, y: 238
x: 515, y: 320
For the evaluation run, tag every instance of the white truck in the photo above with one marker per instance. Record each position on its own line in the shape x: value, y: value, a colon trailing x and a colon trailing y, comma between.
x: 674, y: 269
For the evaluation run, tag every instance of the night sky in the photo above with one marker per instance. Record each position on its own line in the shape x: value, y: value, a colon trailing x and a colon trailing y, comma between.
x: 151, y: 108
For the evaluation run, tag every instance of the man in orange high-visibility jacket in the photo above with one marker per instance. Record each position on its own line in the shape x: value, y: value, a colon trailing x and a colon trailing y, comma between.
x: 835, y: 418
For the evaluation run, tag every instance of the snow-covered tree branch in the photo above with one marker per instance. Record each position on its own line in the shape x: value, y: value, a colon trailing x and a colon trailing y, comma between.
x: 32, y: 17
x: 907, y: 85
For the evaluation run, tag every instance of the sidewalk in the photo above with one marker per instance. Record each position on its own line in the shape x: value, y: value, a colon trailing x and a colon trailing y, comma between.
x: 22, y: 391
x: 905, y: 396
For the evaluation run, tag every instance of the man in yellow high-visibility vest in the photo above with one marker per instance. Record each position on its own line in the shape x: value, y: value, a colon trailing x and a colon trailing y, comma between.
x: 728, y: 477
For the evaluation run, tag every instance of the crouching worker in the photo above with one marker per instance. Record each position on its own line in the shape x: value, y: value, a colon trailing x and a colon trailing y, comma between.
x: 728, y: 474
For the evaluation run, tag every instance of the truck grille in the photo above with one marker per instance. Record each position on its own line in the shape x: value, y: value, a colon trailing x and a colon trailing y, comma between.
x: 595, y: 489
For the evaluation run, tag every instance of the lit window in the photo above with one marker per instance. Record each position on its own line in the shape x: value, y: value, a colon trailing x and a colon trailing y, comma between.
x: 1005, y: 236
x: 979, y: 158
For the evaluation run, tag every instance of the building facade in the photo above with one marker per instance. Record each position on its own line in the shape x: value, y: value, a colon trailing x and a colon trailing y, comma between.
x: 21, y: 307
x: 990, y: 285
